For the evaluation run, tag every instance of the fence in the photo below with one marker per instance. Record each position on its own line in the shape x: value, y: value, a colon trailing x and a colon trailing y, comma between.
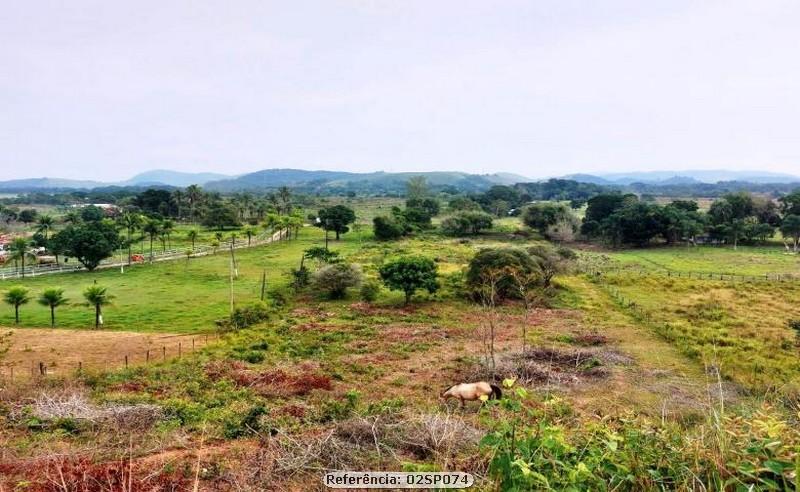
x: 7, y: 273
x: 731, y: 277
x: 37, y: 368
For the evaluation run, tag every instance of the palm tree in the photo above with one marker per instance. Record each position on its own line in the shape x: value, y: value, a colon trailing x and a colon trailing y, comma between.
x: 44, y: 225
x: 285, y: 196
x: 20, y: 251
x: 131, y: 222
x: 192, y: 236
x: 97, y: 296
x: 178, y: 196
x: 152, y: 228
x: 16, y: 296
x: 218, y: 236
x: 52, y: 298
x: 167, y: 227
x: 194, y: 194
x: 249, y: 232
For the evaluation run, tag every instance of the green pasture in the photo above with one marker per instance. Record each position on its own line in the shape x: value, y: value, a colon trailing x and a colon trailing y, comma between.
x: 746, y: 260
x: 172, y: 296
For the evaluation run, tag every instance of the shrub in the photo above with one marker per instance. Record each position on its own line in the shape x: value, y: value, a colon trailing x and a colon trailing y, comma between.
x: 245, y: 316
x: 466, y: 223
x: 387, y: 228
x: 334, y: 280
x: 300, y: 278
x: 370, y: 290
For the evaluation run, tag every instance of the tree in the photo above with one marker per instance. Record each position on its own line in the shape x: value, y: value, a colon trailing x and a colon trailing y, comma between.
x: 790, y: 204
x: 167, y: 227
x: 16, y: 296
x: 131, y: 222
x: 466, y: 223
x: 28, y: 215
x: 90, y: 213
x: 429, y: 205
x: 551, y: 261
x: 335, y: 279
x: 98, y: 297
x: 52, y: 298
x: 791, y: 228
x: 336, y: 219
x: 321, y: 255
x: 192, y: 236
x: 194, y: 195
x: 153, y: 229
x: 249, y: 231
x: 44, y: 225
x: 546, y: 214
x: 20, y: 251
x: 417, y: 188
x: 410, y: 274
x: 220, y: 215
x: 386, y: 228
x: 90, y: 242
x: 500, y: 269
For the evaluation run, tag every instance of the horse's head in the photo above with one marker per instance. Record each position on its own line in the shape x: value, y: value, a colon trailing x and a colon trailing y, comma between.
x: 446, y: 393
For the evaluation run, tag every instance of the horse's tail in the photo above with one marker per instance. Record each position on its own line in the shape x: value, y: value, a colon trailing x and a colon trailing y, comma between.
x: 496, y: 393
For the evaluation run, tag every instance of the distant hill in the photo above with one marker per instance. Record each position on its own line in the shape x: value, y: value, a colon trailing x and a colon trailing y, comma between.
x: 684, y: 177
x: 172, y: 178
x: 29, y: 184
x: 341, y: 181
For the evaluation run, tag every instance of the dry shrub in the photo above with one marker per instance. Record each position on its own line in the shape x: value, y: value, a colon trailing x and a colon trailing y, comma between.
x: 80, y: 474
x: 590, y: 339
x: 75, y: 406
x: 440, y: 436
x: 552, y: 366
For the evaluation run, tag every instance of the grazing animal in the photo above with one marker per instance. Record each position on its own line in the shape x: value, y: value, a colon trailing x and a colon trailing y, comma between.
x: 472, y: 391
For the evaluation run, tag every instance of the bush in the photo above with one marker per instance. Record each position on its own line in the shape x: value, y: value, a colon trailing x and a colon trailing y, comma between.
x: 466, y: 223
x: 334, y: 280
x: 301, y: 277
x: 245, y: 316
x: 370, y: 290
x: 387, y: 228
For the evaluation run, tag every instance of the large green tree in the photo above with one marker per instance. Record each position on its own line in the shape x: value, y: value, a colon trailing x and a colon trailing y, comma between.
x: 90, y: 242
x: 409, y: 274
x: 336, y: 219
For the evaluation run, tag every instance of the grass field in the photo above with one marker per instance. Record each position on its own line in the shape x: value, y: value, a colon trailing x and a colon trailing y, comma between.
x: 181, y: 296
x: 610, y: 392
x: 746, y: 260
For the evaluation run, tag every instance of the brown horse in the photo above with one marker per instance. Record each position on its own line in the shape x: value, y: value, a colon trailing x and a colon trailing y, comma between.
x: 472, y: 391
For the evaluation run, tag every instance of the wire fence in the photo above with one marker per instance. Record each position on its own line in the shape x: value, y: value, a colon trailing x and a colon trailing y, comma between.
x: 13, y: 273
x: 665, y: 272
x: 42, y: 366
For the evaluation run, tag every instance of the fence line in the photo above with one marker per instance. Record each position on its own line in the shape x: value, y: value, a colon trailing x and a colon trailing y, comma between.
x: 40, y: 369
x: 663, y: 271
x: 9, y: 273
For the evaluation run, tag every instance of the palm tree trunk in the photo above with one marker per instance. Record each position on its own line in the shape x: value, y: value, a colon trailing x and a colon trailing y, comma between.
x: 52, y: 316
x: 23, y: 265
x: 16, y: 314
x: 129, y: 247
x: 97, y: 316
x: 151, y: 248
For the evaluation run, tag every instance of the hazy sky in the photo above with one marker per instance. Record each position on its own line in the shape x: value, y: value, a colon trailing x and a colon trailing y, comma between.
x: 105, y: 89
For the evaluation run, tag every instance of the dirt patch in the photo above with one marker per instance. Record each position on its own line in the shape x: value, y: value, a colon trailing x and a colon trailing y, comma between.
x: 62, y: 351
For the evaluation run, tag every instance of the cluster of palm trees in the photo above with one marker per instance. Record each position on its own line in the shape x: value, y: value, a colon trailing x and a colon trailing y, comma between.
x: 96, y: 296
x: 188, y: 203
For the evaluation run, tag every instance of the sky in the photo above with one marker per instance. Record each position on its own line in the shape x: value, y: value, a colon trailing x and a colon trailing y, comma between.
x: 104, y: 90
